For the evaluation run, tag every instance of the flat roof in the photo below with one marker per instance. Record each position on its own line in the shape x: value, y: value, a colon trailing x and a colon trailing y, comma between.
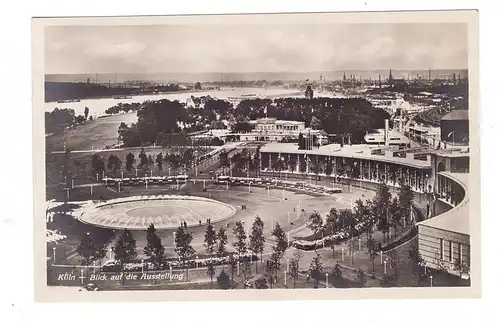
x: 360, y: 151
x: 457, y: 218
x: 458, y: 114
x: 456, y: 152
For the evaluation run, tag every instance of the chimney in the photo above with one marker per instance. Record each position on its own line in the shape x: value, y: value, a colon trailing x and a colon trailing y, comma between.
x: 386, y: 132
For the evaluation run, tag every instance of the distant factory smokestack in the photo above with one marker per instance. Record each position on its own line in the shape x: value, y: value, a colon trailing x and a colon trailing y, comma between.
x: 386, y: 132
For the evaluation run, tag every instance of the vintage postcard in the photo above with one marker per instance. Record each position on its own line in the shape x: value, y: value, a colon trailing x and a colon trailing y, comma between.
x: 270, y: 156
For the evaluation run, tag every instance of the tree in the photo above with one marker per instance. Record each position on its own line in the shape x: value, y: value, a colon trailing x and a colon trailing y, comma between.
x: 337, y: 275
x: 211, y: 272
x: 302, y: 165
x: 294, y: 265
x: 315, y: 222
x: 331, y: 225
x: 247, y: 272
x: 405, y: 197
x: 143, y: 160
x: 114, y: 163
x: 261, y: 283
x: 381, y: 204
x: 197, y: 86
x: 272, y: 268
x: 221, y: 242
x: 150, y: 162
x: 315, y: 123
x: 233, y: 265
x: 372, y: 248
x: 315, y: 269
x: 301, y: 142
x: 183, y: 246
x: 210, y: 239
x: 87, y: 250
x: 361, y: 278
x: 257, y: 240
x: 418, y: 262
x: 98, y: 165
x: 241, y: 237
x: 395, y: 214
x: 129, y: 161
x: 125, y: 247
x: 188, y: 158
x: 86, y: 112
x: 159, y: 162
x: 292, y: 164
x: 224, y: 160
x: 223, y: 281
x: 281, y: 240
x: 154, y: 249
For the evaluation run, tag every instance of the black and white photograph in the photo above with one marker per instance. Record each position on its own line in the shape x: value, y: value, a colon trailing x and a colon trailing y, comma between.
x: 251, y: 154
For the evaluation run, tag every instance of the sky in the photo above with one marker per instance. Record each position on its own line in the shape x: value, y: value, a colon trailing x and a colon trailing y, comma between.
x: 249, y: 48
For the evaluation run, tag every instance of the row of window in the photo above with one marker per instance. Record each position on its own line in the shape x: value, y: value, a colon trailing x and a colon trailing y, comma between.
x: 450, y: 251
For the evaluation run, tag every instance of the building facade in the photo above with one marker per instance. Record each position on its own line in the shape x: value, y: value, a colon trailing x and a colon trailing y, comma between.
x: 444, y: 238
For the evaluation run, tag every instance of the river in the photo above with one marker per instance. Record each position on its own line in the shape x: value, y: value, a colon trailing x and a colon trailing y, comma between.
x: 97, y: 106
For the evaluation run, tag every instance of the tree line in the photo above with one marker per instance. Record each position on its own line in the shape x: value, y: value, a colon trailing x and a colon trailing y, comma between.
x: 180, y: 160
x: 60, y: 119
x: 157, y: 119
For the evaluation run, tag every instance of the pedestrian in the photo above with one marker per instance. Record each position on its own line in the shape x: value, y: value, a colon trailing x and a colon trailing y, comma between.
x: 200, y: 222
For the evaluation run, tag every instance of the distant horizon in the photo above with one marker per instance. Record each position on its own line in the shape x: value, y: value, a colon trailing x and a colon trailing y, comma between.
x: 254, y: 76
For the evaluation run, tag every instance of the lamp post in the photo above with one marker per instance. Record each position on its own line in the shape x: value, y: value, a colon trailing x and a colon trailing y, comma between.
x: 431, y: 280
x: 53, y: 255
x: 136, y: 172
x: 381, y: 252
x: 122, y: 175
x: 359, y: 244
x: 91, y: 189
x: 197, y: 263
x: 385, y: 267
x: 285, y: 278
x: 238, y: 267
x: 342, y: 254
x: 326, y: 276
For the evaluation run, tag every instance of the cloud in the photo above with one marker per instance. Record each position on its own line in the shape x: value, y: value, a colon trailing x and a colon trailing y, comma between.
x: 255, y: 48
x: 118, y: 50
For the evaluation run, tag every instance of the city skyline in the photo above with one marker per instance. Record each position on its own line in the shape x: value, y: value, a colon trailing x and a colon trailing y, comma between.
x: 264, y: 48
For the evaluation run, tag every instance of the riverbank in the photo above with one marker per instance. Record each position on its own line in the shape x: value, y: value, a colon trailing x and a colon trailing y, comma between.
x: 98, y: 106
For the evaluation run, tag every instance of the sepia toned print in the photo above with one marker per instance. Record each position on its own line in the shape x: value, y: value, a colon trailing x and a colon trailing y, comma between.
x: 285, y: 156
